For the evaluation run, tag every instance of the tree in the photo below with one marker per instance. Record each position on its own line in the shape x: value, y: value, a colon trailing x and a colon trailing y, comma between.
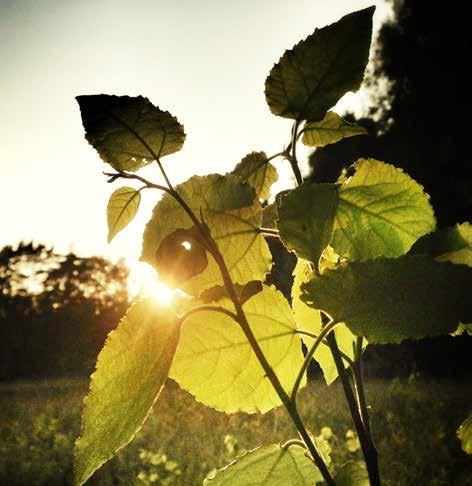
x: 56, y: 310
x: 420, y: 123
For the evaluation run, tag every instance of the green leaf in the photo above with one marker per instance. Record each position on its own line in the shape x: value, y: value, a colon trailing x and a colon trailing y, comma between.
x: 129, y: 133
x: 122, y: 208
x: 258, y: 173
x: 310, y: 78
x: 330, y: 130
x: 271, y: 465
x: 352, y: 474
x: 464, y: 432
x: 232, y: 215
x: 131, y: 370
x: 462, y: 328
x: 450, y: 244
x: 309, y: 319
x: 388, y: 301
x: 306, y: 216
x: 381, y: 213
x: 215, y: 363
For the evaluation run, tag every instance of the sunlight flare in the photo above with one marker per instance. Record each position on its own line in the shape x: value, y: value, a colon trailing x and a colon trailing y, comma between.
x: 143, y: 281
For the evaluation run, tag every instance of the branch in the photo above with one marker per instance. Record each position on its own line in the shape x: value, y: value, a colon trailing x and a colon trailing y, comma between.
x: 324, y: 332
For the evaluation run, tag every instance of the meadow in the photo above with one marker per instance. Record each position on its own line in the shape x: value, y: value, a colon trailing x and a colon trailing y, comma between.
x: 414, y: 423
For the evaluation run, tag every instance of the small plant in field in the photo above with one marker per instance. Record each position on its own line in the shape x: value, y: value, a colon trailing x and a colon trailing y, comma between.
x: 371, y: 268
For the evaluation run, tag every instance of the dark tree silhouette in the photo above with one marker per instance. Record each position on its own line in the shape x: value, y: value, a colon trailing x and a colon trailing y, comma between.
x: 423, y: 118
x: 421, y: 124
x: 56, y: 310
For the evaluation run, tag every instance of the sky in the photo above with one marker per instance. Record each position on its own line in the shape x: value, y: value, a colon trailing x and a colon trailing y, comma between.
x: 204, y: 61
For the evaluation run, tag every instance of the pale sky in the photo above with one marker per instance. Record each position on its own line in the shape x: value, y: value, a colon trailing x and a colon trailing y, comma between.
x: 204, y: 61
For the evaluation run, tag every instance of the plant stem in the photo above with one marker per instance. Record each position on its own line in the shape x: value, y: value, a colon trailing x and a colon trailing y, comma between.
x: 344, y: 356
x: 240, y: 315
x: 290, y: 407
x: 359, y: 384
x: 324, y: 332
x: 293, y: 158
x: 369, y: 452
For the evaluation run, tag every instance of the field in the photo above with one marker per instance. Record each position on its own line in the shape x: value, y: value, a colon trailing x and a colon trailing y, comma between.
x: 414, y: 424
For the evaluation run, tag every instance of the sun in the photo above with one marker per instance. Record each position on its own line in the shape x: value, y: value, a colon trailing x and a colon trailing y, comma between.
x: 143, y: 281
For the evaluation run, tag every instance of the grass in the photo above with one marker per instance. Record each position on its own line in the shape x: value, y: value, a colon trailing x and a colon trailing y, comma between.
x: 414, y: 424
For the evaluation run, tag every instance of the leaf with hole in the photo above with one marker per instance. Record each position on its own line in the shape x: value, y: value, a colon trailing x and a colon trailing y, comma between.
x: 310, y: 78
x: 130, y: 372
x: 122, y: 208
x: 232, y: 215
x: 329, y: 130
x: 216, y: 364
x: 129, y: 132
x: 387, y: 301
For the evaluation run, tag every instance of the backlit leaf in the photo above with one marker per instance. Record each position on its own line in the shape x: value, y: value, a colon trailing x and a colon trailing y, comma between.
x: 215, y: 363
x: 310, y: 78
x: 306, y: 216
x: 129, y: 132
x: 232, y: 215
x: 465, y: 435
x: 352, y: 474
x: 271, y: 465
x: 122, y: 208
x: 131, y: 370
x: 388, y: 301
x: 330, y: 130
x: 309, y: 319
x: 381, y: 212
x: 258, y: 173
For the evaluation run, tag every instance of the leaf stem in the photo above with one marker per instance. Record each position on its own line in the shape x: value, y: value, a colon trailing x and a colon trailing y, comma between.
x: 369, y: 452
x: 244, y: 324
x: 290, y: 407
x: 269, y: 232
x: 360, y: 392
x: 293, y: 157
x: 344, y: 356
x: 324, y: 332
x: 172, y: 192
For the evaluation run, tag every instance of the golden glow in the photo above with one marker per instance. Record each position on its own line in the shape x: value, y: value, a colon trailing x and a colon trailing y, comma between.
x: 143, y: 281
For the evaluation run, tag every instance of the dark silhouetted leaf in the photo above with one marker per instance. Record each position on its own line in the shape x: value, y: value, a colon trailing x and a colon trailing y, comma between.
x: 310, y: 78
x: 129, y: 133
x: 181, y: 255
x: 306, y: 217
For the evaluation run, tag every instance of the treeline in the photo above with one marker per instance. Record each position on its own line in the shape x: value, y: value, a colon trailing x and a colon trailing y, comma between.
x: 56, y: 310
